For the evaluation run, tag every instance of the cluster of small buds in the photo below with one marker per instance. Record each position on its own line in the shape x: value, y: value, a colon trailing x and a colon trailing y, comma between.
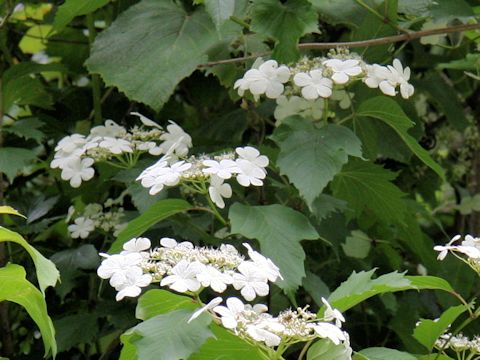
x: 76, y: 154
x: 186, y: 268
x: 246, y: 165
x: 107, y: 218
x: 470, y: 247
x: 320, y: 77
x: 289, y: 327
x: 459, y: 343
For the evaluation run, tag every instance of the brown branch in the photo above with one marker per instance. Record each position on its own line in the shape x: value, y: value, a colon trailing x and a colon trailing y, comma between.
x: 352, y: 44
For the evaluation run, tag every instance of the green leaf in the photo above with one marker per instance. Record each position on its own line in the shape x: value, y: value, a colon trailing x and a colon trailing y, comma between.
x: 311, y: 156
x: 381, y: 353
x: 9, y: 210
x: 327, y: 350
x: 279, y: 231
x: 13, y: 160
x: 163, y: 45
x: 47, y: 273
x: 315, y: 286
x: 341, y: 11
x: 357, y: 245
x: 273, y: 18
x: 16, y: 288
x: 225, y: 345
x: 27, y: 128
x: 360, y: 286
x: 366, y: 186
x: 428, y: 331
x: 447, y: 10
x: 158, y: 212
x: 84, y: 257
x: 75, y: 329
x: 220, y: 10
x: 388, y: 111
x: 72, y: 8
x: 156, y: 302
x: 325, y: 204
x: 169, y: 336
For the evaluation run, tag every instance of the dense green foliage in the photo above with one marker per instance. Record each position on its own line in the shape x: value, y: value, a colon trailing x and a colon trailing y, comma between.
x: 359, y: 188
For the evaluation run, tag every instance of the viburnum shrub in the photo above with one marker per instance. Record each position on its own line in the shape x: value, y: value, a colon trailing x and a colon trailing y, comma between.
x: 239, y: 179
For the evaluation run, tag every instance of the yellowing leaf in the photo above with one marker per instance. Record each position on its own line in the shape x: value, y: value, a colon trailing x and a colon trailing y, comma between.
x: 10, y: 210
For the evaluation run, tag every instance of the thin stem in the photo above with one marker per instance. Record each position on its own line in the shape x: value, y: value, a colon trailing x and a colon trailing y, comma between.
x: 409, y: 36
x: 239, y: 21
x: 383, y: 18
x: 96, y: 92
x: 305, y: 349
x: 325, y: 111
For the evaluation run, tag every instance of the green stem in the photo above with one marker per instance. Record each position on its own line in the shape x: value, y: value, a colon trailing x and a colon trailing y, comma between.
x: 96, y: 92
x: 304, y: 350
x: 239, y: 21
x: 325, y: 111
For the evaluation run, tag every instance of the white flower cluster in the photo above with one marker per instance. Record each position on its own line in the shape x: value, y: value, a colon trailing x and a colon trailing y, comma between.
x: 186, y: 268
x: 289, y: 327
x: 76, y: 154
x: 107, y: 218
x: 246, y: 165
x: 470, y: 247
x: 319, y: 77
x: 459, y: 343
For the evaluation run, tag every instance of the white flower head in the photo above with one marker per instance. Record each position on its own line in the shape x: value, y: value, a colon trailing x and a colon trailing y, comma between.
x: 132, y: 282
x: 263, y: 264
x: 332, y: 314
x: 81, y: 228
x: 343, y: 69
x: 117, y: 264
x: 110, y: 129
x: 268, y: 79
x: 116, y: 146
x: 401, y: 77
x: 218, y: 191
x: 136, y: 245
x: 223, y: 168
x: 444, y: 249
x: 250, y: 174
x: 252, y: 155
x: 250, y: 281
x: 230, y: 314
x: 175, y: 140
x: 313, y: 84
x: 184, y: 276
x: 329, y: 331
x: 258, y: 333
x: 212, y: 277
x: 78, y: 170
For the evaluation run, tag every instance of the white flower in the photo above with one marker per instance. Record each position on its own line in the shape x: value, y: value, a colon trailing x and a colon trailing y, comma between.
x: 71, y: 144
x: 160, y: 174
x: 401, y: 77
x: 230, y: 314
x: 268, y: 79
x: 175, y: 140
x: 263, y: 264
x: 133, y: 281
x: 168, y: 242
x: 110, y: 129
x: 183, y: 276
x: 146, y: 121
x: 212, y: 277
x: 136, y: 245
x: 213, y: 303
x: 376, y: 74
x: 115, y: 264
x: 249, y: 281
x: 82, y: 228
x: 260, y: 334
x: 444, y: 249
x: 218, y: 190
x: 64, y: 161
x: 250, y: 174
x: 116, y: 146
x: 252, y: 155
x: 314, y: 84
x: 332, y: 314
x: 223, y: 168
x: 78, y: 170
x: 329, y: 331
x: 343, y: 69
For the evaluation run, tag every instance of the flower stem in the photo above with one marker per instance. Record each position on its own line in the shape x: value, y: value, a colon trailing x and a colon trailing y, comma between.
x: 304, y: 350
